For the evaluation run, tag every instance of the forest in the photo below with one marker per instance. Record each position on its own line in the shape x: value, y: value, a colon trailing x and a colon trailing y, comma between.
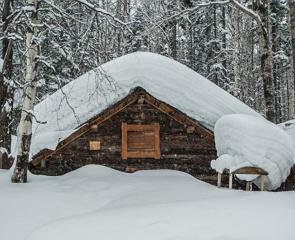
x: 244, y: 46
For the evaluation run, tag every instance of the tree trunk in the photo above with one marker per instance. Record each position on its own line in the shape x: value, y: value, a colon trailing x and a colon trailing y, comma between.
x: 291, y: 95
x: 274, y: 42
x: 215, y: 47
x: 6, y: 91
x: 224, y: 43
x: 190, y: 33
x: 25, y: 125
x: 262, y: 9
x: 172, y: 32
x: 237, y: 90
x: 122, y: 13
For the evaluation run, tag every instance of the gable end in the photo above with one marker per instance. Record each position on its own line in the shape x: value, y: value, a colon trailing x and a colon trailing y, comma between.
x: 137, y: 95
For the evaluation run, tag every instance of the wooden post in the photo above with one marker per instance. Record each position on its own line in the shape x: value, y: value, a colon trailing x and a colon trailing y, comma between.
x: 43, y: 163
x: 124, y: 141
x: 219, y: 180
x: 1, y: 160
x: 157, y: 140
x: 247, y: 186
x: 230, y: 181
x: 262, y: 183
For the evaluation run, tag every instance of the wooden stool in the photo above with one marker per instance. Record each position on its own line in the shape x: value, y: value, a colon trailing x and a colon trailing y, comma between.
x: 244, y: 170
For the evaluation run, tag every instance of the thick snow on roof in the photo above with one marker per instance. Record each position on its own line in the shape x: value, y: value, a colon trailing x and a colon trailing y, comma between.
x: 289, y: 128
x: 243, y: 140
x: 164, y: 78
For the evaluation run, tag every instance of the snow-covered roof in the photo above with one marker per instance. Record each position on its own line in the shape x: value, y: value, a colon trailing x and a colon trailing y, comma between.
x: 93, y: 92
x: 289, y: 128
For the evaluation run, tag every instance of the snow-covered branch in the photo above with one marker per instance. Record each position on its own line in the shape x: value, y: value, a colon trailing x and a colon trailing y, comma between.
x: 32, y: 114
x: 234, y: 3
x: 102, y: 12
x: 51, y: 4
x: 247, y: 11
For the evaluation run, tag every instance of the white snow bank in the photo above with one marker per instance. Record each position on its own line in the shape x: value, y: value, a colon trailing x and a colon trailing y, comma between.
x: 96, y: 90
x: 243, y: 140
x: 96, y: 202
x: 232, y: 163
x: 289, y: 128
x: 229, y: 162
x: 3, y: 150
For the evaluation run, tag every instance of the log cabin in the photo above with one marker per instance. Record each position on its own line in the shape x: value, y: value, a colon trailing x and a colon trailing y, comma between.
x: 138, y: 112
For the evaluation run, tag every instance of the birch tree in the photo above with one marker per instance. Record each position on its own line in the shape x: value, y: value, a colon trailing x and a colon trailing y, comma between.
x: 25, y: 125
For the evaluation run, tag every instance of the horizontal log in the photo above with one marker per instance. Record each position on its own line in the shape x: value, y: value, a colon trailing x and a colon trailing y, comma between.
x: 181, y: 145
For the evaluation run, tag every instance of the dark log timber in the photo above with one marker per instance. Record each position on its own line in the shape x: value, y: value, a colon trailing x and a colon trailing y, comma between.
x: 185, y: 144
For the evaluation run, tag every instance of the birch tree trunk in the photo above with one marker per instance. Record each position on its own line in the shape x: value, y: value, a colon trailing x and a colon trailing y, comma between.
x: 25, y: 125
x: 291, y: 94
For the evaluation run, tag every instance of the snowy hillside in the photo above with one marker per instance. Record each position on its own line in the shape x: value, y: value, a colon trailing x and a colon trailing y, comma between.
x: 95, y: 202
x: 162, y: 77
x: 243, y: 140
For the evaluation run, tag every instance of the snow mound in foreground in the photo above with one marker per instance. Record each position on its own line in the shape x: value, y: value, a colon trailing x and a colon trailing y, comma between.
x: 95, y: 202
x: 168, y: 80
x: 243, y: 140
x: 93, y: 171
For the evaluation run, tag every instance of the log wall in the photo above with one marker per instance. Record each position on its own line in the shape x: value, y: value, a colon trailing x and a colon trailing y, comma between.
x: 182, y: 148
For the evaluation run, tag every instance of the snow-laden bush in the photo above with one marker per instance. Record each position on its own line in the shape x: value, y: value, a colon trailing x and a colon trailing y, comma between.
x: 243, y: 140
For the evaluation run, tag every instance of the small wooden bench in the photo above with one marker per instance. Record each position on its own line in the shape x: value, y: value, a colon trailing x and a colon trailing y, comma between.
x: 244, y: 170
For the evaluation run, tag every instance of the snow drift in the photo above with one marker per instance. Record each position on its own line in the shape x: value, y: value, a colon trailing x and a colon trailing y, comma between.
x: 289, y: 128
x: 243, y: 140
x: 96, y: 90
x: 96, y: 202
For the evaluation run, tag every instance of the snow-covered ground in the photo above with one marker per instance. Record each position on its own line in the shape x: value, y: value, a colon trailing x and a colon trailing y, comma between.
x: 95, y: 202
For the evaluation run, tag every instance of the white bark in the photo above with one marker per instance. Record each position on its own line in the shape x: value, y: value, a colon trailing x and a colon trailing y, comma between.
x: 25, y: 125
